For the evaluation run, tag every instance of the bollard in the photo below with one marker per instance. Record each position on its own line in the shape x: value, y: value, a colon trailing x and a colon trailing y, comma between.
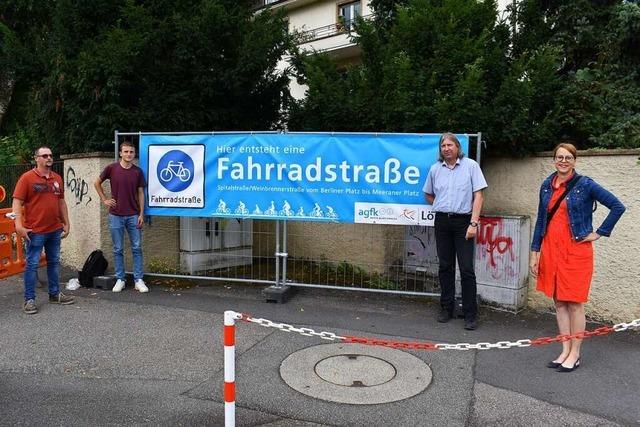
x: 230, y: 368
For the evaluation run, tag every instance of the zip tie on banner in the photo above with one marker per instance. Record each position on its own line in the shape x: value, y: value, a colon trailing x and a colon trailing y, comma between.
x: 426, y: 345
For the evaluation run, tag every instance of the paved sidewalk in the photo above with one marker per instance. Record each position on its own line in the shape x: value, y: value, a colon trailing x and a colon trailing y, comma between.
x: 156, y: 359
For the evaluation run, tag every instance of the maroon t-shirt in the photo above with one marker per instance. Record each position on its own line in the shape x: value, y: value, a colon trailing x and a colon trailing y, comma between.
x: 124, y: 188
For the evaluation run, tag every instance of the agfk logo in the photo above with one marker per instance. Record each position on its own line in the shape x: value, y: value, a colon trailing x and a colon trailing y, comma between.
x: 369, y: 213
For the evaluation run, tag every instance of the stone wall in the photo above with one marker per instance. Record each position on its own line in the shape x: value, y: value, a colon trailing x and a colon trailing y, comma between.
x: 513, y: 189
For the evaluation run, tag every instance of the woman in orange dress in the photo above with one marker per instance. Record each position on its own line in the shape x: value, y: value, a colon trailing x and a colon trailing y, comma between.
x: 562, y: 249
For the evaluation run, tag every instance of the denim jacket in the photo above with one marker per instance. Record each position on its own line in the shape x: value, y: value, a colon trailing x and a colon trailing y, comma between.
x: 580, y: 207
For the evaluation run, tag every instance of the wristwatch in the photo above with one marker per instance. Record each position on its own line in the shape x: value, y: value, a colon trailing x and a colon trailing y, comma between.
x: 473, y: 224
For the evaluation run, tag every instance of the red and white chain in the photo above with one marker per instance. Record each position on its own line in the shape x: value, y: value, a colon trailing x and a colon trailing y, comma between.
x: 307, y: 332
x: 425, y: 345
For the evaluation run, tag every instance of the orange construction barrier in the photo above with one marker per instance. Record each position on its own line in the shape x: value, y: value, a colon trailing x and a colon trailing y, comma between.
x: 12, y: 247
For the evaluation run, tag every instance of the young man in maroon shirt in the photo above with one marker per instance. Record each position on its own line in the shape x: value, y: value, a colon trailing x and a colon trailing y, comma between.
x: 126, y: 212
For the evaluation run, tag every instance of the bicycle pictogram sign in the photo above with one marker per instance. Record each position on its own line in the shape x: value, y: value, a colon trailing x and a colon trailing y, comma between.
x: 175, y: 170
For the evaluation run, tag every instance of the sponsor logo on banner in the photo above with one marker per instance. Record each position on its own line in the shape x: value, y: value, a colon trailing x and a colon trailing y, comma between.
x: 391, y: 213
x: 176, y: 176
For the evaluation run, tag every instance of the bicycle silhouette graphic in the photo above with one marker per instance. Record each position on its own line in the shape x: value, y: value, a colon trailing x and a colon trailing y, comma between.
x: 175, y: 169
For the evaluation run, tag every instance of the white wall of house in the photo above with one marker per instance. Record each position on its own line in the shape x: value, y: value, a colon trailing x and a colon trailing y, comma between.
x: 308, y: 15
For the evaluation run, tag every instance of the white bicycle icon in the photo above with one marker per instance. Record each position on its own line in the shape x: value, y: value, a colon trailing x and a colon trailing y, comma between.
x: 175, y: 169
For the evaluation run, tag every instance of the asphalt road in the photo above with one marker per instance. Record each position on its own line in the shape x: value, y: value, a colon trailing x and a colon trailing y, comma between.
x: 157, y: 359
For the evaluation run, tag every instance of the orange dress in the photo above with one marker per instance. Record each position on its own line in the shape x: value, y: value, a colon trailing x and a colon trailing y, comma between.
x: 566, y: 266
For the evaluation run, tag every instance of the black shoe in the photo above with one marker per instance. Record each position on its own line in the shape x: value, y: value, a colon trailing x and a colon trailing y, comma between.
x: 445, y: 315
x: 575, y: 366
x: 471, y: 324
x: 554, y: 365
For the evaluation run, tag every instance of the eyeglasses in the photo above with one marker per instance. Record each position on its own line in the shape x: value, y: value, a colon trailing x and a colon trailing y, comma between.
x: 564, y: 158
x: 46, y: 156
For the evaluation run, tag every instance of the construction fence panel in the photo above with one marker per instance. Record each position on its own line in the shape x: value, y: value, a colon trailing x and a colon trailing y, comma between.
x: 210, y: 248
x: 364, y: 257
x: 367, y: 257
x: 378, y: 258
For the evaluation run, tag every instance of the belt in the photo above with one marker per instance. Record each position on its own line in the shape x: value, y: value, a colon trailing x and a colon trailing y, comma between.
x: 452, y: 214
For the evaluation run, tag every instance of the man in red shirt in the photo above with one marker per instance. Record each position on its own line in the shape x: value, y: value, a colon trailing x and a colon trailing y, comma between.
x: 42, y: 220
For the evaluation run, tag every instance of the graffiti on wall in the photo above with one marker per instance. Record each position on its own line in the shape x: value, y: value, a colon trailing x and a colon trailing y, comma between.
x: 495, y: 252
x: 77, y: 186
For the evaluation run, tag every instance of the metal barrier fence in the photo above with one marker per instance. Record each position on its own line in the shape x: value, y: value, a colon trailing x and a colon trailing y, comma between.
x: 364, y: 257
x: 347, y: 256
x: 9, y: 175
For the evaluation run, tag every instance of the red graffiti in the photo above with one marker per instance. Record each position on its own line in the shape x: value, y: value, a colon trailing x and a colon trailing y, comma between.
x: 491, y: 235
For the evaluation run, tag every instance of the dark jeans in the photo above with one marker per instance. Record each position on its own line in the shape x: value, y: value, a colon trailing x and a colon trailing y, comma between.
x: 451, y: 242
x: 51, y: 244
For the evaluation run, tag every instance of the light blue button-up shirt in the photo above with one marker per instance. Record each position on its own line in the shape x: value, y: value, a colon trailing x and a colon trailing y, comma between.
x: 453, y: 188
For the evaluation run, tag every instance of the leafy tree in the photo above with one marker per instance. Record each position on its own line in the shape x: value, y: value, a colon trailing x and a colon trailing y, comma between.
x: 598, y: 44
x: 142, y: 65
x: 433, y: 69
x: 603, y: 97
x: 571, y: 70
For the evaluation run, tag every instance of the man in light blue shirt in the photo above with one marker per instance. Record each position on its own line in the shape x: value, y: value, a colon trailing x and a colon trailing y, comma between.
x: 454, y: 188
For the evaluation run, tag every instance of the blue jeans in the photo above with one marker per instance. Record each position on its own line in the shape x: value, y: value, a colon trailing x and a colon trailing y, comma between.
x: 117, y: 226
x: 51, y: 244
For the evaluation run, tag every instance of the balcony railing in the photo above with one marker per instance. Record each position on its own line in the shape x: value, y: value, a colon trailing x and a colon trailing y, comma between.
x: 343, y: 27
x: 259, y: 4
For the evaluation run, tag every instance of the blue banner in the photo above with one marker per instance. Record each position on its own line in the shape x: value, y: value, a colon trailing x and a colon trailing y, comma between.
x: 353, y: 178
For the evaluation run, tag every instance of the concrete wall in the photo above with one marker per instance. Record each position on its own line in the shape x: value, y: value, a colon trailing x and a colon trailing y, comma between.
x: 371, y: 247
x: 513, y: 189
x: 89, y: 219
x: 89, y: 227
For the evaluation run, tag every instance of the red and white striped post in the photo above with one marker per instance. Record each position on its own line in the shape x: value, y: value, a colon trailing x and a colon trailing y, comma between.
x: 230, y: 368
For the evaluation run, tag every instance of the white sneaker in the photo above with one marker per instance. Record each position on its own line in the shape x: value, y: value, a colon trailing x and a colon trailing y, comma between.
x: 118, y: 286
x: 140, y: 286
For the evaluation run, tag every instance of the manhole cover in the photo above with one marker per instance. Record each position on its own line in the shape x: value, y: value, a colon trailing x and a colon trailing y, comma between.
x: 355, y: 370
x: 355, y: 373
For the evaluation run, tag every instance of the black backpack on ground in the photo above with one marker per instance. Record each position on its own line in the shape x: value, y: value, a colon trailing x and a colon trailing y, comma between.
x: 95, y: 265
